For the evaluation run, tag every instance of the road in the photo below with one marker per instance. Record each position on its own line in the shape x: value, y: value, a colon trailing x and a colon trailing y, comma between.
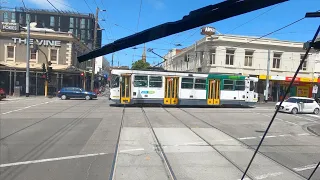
x: 43, y: 138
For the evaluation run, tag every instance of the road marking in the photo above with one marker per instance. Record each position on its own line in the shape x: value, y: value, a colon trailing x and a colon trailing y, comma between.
x: 313, y: 115
x: 303, y: 168
x: 289, y: 122
x: 26, y: 107
x: 130, y: 150
x: 193, y: 143
x: 304, y: 134
x: 270, y: 136
x: 284, y: 135
x: 304, y: 118
x: 264, y: 176
x: 50, y: 160
x: 243, y: 138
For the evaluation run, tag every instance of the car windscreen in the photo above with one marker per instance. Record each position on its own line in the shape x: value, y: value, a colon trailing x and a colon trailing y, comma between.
x: 292, y: 100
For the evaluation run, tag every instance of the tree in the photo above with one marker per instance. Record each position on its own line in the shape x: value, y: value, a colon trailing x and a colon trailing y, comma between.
x: 140, y: 64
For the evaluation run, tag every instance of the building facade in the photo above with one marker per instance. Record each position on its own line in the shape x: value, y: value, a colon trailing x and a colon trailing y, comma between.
x: 81, y: 25
x: 233, y: 54
x: 61, y: 49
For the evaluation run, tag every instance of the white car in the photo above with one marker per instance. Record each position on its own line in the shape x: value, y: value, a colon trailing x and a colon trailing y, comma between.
x: 296, y: 105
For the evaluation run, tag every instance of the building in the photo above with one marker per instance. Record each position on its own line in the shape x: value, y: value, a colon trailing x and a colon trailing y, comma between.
x: 60, y: 48
x: 233, y: 54
x: 101, y: 65
x: 81, y: 25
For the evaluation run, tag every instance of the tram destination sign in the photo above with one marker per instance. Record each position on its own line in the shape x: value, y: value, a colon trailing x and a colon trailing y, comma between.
x: 7, y: 26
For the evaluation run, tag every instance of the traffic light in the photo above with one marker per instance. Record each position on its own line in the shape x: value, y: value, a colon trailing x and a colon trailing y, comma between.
x: 48, y: 76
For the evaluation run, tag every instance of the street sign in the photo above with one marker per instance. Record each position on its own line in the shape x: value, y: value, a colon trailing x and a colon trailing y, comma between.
x: 315, y: 89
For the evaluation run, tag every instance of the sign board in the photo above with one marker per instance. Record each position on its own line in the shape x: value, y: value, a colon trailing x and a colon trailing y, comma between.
x: 315, y: 89
x: 209, y: 31
x: 40, y: 42
x: 7, y: 26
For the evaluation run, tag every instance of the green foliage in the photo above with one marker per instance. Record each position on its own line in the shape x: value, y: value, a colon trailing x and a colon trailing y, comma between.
x: 139, y: 65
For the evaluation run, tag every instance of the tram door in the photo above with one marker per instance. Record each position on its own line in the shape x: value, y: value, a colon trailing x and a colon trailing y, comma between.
x: 125, y: 89
x: 213, y: 92
x: 171, y: 90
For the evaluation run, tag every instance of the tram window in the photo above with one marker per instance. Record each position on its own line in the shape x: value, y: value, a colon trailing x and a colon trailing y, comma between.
x: 187, y: 83
x: 200, y: 84
x: 252, y: 86
x: 240, y: 85
x: 155, y: 81
x: 227, y: 84
x: 140, y: 81
x: 114, y: 81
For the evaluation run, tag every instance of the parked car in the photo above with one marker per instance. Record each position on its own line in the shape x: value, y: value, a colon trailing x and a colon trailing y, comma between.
x: 2, y: 94
x: 296, y: 105
x: 75, y: 92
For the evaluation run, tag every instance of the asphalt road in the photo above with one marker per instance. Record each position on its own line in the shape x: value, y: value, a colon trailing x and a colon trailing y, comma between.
x: 52, y: 139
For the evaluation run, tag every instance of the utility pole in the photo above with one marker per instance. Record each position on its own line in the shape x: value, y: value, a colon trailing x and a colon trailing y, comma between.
x: 266, y: 96
x: 28, y: 57
x: 112, y: 60
x: 93, y: 61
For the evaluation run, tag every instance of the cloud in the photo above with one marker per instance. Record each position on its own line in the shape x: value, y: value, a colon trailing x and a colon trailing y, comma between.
x: 157, y: 4
x: 59, y: 4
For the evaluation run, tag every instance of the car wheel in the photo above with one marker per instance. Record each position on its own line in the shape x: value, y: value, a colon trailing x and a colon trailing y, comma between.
x: 316, y: 111
x: 88, y: 97
x: 63, y: 97
x: 294, y: 111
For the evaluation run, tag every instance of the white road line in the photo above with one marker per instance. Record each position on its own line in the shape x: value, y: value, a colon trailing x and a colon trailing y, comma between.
x: 304, y: 134
x: 194, y: 143
x: 303, y: 168
x: 284, y: 135
x: 130, y: 150
x: 264, y: 176
x: 26, y: 107
x: 270, y: 136
x: 50, y: 160
x: 304, y: 118
x: 289, y: 122
x: 313, y: 115
x: 247, y: 138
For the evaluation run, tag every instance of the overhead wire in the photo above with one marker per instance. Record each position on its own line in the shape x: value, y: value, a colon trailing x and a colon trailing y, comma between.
x: 53, y: 6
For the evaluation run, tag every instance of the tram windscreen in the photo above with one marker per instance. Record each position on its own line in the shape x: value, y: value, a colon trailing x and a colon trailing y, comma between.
x: 115, y: 81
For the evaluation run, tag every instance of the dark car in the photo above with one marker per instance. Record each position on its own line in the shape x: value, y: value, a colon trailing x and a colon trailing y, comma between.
x: 2, y: 93
x: 75, y: 92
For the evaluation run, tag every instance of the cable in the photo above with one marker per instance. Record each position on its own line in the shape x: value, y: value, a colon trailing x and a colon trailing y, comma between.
x: 53, y: 6
x: 88, y: 6
x: 314, y: 171
x: 24, y: 5
x: 278, y: 108
x: 66, y: 5
x: 139, y: 15
x: 253, y: 19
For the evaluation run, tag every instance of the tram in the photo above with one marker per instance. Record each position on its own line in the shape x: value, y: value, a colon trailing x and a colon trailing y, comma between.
x: 181, y: 88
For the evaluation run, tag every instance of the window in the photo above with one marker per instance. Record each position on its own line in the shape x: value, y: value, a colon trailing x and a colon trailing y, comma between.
x: 20, y: 18
x: 83, y: 35
x: 71, y: 23
x: 276, y: 60
x: 10, y: 52
x: 77, y: 23
x: 89, y: 34
x: 187, y: 83
x: 76, y: 33
x: 5, y: 17
x: 248, y: 58
x: 33, y: 56
x: 52, y: 21
x: 240, y: 85
x: 212, y: 56
x: 13, y: 17
x: 53, y: 54
x: 230, y: 57
x: 304, y: 65
x: 28, y: 18
x: 155, y: 81
x: 115, y: 81
x: 200, y: 84
x: 71, y: 30
x: 59, y: 21
x: 82, y: 23
x: 140, y: 81
x: 89, y: 23
x: 252, y: 86
x: 227, y: 84
x: 292, y: 100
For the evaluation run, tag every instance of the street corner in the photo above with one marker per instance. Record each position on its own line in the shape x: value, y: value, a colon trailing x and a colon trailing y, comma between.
x: 315, y: 129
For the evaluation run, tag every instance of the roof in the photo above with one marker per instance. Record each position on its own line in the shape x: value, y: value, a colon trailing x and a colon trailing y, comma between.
x: 301, y: 97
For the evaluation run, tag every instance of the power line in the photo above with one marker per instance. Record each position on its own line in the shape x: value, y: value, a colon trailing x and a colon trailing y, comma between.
x: 139, y: 15
x: 66, y: 5
x: 24, y: 5
x: 53, y: 5
x: 252, y: 19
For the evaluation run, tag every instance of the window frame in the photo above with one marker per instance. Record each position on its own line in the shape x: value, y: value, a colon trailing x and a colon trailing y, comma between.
x: 33, y: 60
x: 5, y: 17
x: 149, y: 81
x: 230, y: 57
x: 276, y: 61
x: 71, y: 23
x: 187, y: 82
x: 13, y: 17
x: 134, y: 80
x: 52, y: 21
x: 82, y: 23
x: 57, y: 58
x: 204, y: 83
x: 248, y: 58
x: 224, y: 84
x: 13, y: 59
x: 304, y: 66
x: 212, y: 58
x: 243, y: 86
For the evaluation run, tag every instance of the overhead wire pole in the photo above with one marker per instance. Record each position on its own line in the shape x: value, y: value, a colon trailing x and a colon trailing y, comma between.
x: 28, y: 57
x: 93, y: 61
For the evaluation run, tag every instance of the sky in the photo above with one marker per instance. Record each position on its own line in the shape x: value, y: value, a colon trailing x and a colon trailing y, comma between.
x: 126, y: 17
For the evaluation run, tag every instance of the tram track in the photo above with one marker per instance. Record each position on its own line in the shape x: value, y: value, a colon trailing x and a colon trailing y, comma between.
x: 41, y: 148
x: 243, y: 143
x: 208, y: 143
